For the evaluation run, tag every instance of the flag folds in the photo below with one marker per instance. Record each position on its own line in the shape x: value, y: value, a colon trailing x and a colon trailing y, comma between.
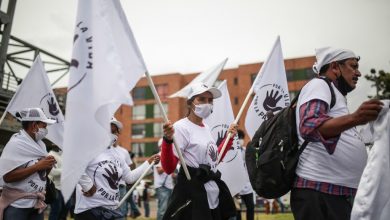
x: 270, y: 87
x: 207, y: 77
x: 106, y: 64
x: 35, y: 92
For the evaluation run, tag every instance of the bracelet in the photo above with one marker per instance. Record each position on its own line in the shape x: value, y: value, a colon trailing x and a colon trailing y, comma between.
x: 168, y: 141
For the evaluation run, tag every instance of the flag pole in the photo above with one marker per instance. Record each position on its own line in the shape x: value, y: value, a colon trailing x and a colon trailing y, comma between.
x: 235, y: 122
x: 157, y: 97
x: 3, y: 116
x: 135, y: 184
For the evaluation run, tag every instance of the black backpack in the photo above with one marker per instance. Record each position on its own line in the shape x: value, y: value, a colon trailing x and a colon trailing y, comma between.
x: 272, y: 155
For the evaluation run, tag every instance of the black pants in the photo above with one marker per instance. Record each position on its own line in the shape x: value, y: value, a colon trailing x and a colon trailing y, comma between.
x: 307, y: 204
x: 250, y: 206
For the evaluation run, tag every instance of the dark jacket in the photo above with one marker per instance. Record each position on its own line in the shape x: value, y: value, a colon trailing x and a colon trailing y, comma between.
x: 189, y: 198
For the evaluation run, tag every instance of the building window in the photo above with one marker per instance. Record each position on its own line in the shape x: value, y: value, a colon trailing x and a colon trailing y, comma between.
x: 138, y: 149
x: 236, y: 100
x: 235, y: 81
x: 162, y: 90
x: 158, y: 130
x: 138, y: 131
x: 290, y: 75
x: 142, y: 93
x: 138, y: 112
x: 157, y: 112
x: 310, y: 74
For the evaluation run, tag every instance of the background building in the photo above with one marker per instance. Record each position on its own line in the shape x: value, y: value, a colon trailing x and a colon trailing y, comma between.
x: 143, y: 121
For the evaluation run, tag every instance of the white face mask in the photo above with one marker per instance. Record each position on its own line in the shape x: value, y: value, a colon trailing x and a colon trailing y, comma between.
x: 114, y: 138
x: 40, y: 134
x: 203, y: 110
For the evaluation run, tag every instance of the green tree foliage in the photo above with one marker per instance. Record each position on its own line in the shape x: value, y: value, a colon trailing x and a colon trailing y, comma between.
x: 381, y: 82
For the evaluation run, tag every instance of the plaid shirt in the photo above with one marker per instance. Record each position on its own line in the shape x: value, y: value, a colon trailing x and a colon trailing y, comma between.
x: 313, y: 114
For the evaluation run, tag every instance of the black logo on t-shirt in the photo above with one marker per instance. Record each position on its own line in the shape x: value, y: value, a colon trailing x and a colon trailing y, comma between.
x: 112, y: 176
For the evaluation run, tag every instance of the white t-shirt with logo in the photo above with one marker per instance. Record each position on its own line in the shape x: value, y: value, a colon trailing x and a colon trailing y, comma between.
x: 198, y: 147
x: 126, y: 157
x: 345, y: 166
x: 36, y: 182
x: 162, y: 179
x: 106, y: 170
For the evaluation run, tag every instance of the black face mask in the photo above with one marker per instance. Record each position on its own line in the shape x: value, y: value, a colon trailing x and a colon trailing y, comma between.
x: 343, y: 86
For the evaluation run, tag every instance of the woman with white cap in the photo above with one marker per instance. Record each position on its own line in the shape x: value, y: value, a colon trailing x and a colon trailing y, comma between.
x: 205, y: 196
x: 24, y: 165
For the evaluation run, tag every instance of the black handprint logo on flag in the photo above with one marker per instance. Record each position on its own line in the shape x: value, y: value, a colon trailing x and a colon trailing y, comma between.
x: 53, y: 109
x: 271, y: 100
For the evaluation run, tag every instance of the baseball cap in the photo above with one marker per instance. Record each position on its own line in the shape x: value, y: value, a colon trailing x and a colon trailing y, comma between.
x: 117, y: 123
x: 328, y: 55
x: 200, y: 88
x: 34, y: 114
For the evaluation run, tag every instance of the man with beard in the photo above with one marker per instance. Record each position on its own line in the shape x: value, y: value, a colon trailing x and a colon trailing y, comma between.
x: 330, y: 167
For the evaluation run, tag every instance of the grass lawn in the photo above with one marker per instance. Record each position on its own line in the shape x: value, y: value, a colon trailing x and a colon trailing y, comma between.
x: 257, y: 217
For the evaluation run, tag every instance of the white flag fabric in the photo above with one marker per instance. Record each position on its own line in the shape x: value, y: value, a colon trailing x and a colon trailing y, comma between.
x: 207, y: 77
x: 372, y: 199
x: 35, y: 92
x: 106, y: 64
x: 232, y: 168
x: 271, y: 90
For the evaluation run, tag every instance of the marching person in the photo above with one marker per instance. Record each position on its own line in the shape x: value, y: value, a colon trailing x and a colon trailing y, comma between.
x: 116, y: 127
x: 205, y: 196
x: 330, y: 167
x: 24, y: 166
x: 163, y: 184
x: 97, y: 194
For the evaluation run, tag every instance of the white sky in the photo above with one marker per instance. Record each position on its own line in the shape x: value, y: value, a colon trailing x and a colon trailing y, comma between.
x: 192, y: 35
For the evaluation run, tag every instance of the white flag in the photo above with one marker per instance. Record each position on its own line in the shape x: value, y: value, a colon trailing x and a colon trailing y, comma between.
x: 35, y: 92
x: 372, y: 199
x: 106, y: 64
x: 207, y: 77
x: 271, y: 90
x: 232, y: 168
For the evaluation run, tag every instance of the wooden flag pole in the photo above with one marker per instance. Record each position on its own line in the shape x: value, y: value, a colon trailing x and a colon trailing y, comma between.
x: 157, y: 97
x: 135, y: 184
x: 235, y: 122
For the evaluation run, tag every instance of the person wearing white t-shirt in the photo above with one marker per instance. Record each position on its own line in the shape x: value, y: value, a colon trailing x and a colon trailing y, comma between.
x: 105, y: 172
x: 163, y: 184
x: 206, y: 196
x: 116, y: 127
x: 330, y: 167
x: 24, y: 165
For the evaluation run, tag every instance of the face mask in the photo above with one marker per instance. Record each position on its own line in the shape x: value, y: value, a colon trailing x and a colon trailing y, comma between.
x: 203, y: 110
x: 114, y: 138
x: 342, y: 85
x: 40, y: 134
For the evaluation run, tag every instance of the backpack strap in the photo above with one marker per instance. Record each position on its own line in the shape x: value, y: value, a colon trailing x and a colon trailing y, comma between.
x: 333, y: 96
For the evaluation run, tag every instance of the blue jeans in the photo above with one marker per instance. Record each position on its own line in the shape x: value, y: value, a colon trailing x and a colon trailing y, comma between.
x: 12, y: 213
x: 123, y: 208
x: 163, y: 194
x: 57, y: 207
x: 133, y: 207
x: 146, y: 208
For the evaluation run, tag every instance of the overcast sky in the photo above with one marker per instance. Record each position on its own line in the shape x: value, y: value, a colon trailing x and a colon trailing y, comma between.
x: 192, y: 35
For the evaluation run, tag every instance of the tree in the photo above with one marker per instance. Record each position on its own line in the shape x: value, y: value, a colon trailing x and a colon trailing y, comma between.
x: 381, y: 82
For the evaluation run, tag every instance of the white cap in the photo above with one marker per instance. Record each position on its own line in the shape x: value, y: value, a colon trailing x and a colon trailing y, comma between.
x: 199, y: 88
x: 34, y: 114
x: 328, y: 55
x: 117, y: 123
